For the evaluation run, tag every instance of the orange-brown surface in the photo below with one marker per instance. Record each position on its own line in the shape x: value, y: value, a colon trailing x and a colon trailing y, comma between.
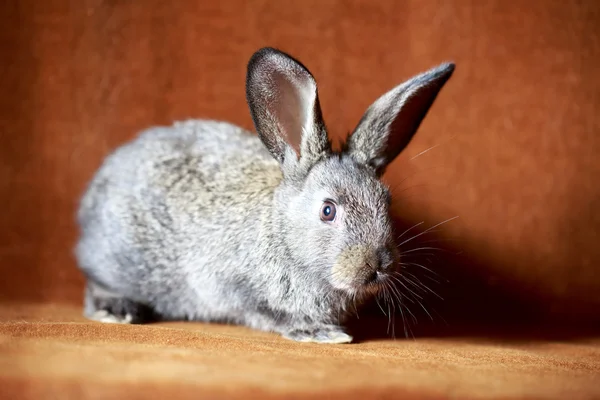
x: 52, y: 348
x: 515, y: 138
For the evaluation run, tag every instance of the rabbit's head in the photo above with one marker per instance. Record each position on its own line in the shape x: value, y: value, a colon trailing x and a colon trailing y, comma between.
x: 331, y: 210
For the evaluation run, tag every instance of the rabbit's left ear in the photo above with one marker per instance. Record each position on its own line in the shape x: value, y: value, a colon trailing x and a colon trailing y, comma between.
x: 391, y: 121
x: 284, y: 103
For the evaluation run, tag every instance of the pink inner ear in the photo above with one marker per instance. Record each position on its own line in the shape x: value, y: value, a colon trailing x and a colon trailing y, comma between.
x: 291, y: 105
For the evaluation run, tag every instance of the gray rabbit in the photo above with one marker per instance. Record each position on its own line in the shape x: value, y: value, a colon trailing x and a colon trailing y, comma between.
x: 205, y: 221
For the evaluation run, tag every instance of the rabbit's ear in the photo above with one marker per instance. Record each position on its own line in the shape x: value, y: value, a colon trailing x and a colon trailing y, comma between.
x: 283, y: 100
x: 390, y: 122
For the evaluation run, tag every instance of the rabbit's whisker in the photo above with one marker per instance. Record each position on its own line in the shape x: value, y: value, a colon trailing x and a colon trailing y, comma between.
x: 420, y: 266
x: 429, y: 229
x: 409, y: 229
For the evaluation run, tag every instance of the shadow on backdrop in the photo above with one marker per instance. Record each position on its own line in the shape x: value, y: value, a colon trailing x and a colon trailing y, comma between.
x: 446, y: 291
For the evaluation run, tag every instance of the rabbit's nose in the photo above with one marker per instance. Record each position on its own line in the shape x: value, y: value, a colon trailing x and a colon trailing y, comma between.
x: 374, y: 263
x: 374, y: 276
x: 384, y: 259
x: 378, y: 264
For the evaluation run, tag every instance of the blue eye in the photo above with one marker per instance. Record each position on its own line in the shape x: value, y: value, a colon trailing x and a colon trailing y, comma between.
x: 328, y: 211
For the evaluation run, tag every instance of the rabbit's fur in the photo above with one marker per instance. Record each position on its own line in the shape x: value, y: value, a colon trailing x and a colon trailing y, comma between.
x: 203, y: 220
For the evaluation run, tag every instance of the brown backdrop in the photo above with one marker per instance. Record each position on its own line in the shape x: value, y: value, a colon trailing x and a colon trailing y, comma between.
x: 516, y: 129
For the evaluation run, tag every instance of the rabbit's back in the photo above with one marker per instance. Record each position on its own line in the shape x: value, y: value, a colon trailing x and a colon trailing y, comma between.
x: 163, y: 213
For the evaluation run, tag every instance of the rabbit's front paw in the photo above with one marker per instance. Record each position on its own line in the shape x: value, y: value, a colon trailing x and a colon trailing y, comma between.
x: 321, y: 334
x: 104, y: 306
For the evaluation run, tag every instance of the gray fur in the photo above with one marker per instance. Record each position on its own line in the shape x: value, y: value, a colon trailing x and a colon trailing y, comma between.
x: 202, y: 220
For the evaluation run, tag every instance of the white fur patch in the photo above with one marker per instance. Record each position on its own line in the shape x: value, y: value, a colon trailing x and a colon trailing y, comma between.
x: 107, y: 318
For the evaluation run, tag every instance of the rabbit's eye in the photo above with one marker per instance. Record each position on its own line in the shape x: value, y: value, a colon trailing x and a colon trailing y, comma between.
x: 328, y: 211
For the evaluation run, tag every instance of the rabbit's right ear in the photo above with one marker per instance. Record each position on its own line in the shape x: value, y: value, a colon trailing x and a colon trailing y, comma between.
x: 284, y: 103
x: 391, y: 121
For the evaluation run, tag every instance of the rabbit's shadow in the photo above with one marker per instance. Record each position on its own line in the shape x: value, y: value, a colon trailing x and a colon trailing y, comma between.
x: 451, y: 293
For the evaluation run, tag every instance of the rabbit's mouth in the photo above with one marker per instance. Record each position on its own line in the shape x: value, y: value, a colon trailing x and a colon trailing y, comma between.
x: 374, y: 278
x: 365, y: 283
x: 372, y: 284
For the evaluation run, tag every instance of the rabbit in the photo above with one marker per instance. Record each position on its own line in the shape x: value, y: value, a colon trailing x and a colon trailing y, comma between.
x: 276, y: 231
